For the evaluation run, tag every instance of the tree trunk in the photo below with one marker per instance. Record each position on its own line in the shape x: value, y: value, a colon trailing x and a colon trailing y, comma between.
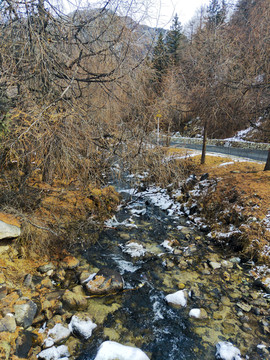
x: 267, y: 165
x: 204, y: 142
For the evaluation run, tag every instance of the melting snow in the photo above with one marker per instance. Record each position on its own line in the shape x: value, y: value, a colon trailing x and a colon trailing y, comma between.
x: 133, y: 249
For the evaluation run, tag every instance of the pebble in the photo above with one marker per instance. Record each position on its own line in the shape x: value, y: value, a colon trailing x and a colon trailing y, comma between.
x: 225, y: 301
x: 215, y: 265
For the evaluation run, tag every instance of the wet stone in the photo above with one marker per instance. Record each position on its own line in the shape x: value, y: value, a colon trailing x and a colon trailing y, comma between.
x: 74, y: 301
x: 105, y: 281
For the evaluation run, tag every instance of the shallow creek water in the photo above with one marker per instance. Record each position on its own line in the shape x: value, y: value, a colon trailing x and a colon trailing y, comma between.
x: 140, y: 316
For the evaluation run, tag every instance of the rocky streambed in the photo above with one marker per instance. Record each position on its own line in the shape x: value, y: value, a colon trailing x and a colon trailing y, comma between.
x: 152, y: 281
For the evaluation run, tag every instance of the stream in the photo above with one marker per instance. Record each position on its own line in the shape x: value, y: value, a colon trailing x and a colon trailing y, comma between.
x: 175, y: 256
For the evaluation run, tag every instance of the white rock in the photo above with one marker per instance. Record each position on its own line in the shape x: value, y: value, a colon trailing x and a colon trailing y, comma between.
x: 227, y: 351
x: 177, y: 298
x: 196, y: 313
x: 82, y: 326
x: 58, y: 333
x: 8, y: 231
x: 110, y: 350
x: 54, y: 353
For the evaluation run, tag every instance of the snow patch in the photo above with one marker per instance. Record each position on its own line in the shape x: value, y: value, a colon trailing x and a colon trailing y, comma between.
x: 54, y: 353
x: 83, y: 327
x: 177, y: 298
x: 227, y: 351
x: 133, y: 249
x: 110, y: 350
x: 196, y: 313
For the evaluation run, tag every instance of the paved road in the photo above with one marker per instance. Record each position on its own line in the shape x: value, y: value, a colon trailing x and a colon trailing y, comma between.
x: 259, y: 155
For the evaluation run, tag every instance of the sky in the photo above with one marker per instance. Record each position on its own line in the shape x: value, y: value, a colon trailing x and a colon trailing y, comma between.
x: 155, y: 13
x: 165, y: 10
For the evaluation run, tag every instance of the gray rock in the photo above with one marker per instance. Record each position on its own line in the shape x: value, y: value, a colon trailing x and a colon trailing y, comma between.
x: 215, y: 265
x: 235, y: 260
x: 8, y: 323
x: 45, y: 268
x: 27, y: 280
x: 8, y: 231
x: 25, y: 311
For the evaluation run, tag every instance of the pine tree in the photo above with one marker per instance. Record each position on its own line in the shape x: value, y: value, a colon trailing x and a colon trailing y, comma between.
x: 216, y: 13
x: 173, y: 39
x: 160, y: 58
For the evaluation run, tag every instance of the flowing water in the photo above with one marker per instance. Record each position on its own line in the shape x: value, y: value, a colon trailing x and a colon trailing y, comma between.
x: 140, y: 316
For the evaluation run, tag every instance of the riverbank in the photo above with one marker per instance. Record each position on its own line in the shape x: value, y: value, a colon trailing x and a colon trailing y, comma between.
x: 228, y: 200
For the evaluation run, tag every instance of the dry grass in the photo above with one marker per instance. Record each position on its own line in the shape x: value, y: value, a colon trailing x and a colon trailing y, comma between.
x: 242, y: 199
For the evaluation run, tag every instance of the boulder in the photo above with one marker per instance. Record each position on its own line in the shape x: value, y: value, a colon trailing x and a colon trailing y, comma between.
x: 82, y: 326
x: 104, y: 282
x: 112, y: 350
x: 25, y: 311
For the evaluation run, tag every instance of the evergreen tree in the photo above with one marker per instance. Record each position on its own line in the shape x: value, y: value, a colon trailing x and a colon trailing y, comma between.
x: 216, y: 13
x: 173, y: 39
x: 160, y: 58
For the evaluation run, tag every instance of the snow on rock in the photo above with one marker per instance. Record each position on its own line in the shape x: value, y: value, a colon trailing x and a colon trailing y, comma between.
x: 227, y: 351
x: 113, y: 222
x: 83, y: 326
x: 110, y: 350
x: 198, y: 313
x: 134, y: 249
x: 54, y: 353
x: 195, y: 313
x: 57, y: 334
x: 177, y: 298
x: 166, y: 245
